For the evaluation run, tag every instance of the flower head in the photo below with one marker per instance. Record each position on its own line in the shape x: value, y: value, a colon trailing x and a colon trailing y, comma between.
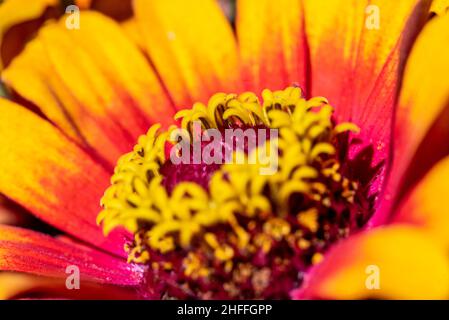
x: 305, y: 196
x: 204, y: 227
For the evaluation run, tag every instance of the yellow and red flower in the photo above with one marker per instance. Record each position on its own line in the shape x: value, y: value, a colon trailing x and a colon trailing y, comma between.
x: 362, y: 182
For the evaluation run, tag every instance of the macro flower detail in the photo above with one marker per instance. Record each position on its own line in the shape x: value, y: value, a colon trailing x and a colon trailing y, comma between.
x: 252, y: 235
x: 339, y: 166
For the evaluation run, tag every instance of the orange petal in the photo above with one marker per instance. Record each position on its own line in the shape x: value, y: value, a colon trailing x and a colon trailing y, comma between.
x: 272, y: 44
x: 125, y: 67
x: 50, y: 176
x: 31, y: 75
x: 424, y: 97
x: 27, y: 251
x: 107, y: 98
x: 192, y: 47
x: 18, y: 21
x: 23, y: 286
x: 427, y: 205
x: 408, y: 263
x: 357, y: 66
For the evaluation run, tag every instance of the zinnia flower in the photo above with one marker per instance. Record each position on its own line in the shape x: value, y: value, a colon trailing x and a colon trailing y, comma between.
x: 362, y: 179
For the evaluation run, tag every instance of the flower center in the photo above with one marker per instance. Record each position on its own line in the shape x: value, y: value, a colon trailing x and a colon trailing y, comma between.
x: 234, y: 229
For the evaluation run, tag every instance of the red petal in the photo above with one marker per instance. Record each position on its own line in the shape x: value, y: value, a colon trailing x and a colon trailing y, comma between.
x: 424, y: 98
x: 358, y: 67
x: 31, y: 252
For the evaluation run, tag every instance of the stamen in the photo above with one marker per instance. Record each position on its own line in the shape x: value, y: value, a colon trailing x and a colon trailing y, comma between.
x: 227, y: 231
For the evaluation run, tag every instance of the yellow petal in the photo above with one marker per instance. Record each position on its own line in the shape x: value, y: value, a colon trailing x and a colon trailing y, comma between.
x: 31, y: 76
x: 13, y: 13
x: 393, y: 262
x: 439, y: 7
x: 272, y: 44
x: 427, y: 204
x: 192, y: 47
x: 132, y: 30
